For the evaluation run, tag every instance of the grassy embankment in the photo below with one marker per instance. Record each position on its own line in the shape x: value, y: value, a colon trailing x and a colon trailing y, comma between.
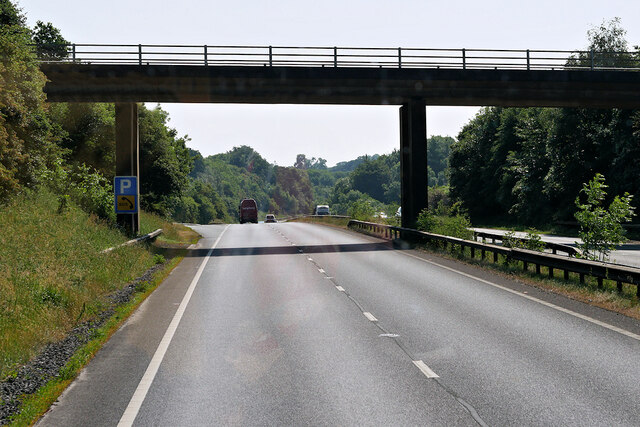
x: 607, y: 297
x: 53, y: 276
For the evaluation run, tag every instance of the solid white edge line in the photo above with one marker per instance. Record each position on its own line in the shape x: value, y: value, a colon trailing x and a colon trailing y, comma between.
x: 340, y: 288
x: 529, y: 297
x: 369, y: 316
x: 425, y: 369
x: 130, y: 414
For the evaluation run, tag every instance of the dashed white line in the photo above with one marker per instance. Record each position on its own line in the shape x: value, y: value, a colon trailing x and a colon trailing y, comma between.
x: 425, y: 369
x: 321, y: 270
x: 370, y: 316
x: 139, y: 395
x: 340, y: 288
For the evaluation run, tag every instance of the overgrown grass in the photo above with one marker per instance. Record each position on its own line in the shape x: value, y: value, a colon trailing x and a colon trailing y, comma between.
x: 172, y: 233
x: 53, y: 274
x: 34, y: 406
x: 327, y: 220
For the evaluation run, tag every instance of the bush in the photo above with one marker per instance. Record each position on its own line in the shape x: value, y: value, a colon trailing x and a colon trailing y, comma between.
x: 532, y: 241
x: 455, y: 226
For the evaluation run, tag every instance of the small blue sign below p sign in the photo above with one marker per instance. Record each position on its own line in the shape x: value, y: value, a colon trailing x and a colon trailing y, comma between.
x: 126, y: 194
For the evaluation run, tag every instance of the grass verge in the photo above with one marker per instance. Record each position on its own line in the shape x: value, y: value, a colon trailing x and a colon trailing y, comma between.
x: 34, y: 406
x: 328, y: 220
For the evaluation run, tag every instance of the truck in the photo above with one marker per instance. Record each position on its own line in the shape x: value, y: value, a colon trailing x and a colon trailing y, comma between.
x: 248, y: 211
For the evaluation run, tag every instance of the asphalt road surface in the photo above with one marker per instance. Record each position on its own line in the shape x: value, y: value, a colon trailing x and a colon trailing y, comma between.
x: 300, y: 324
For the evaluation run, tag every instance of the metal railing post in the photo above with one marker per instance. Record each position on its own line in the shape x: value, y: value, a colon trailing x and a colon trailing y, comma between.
x: 528, y: 61
x: 592, y: 60
x: 464, y: 59
x: 73, y: 52
x: 140, y: 54
x: 335, y: 56
x: 270, y: 56
x: 206, y: 56
x: 399, y: 57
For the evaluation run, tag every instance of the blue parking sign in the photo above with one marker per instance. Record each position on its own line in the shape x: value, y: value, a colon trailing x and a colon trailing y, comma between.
x: 126, y: 194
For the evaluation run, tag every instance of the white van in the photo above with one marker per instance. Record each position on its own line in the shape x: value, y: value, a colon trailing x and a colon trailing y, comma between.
x: 322, y: 210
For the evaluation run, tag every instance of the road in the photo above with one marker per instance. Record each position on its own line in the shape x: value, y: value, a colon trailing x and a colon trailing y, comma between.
x: 626, y: 254
x: 301, y: 324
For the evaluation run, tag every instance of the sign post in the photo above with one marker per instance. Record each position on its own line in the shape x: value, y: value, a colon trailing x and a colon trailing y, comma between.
x: 126, y: 195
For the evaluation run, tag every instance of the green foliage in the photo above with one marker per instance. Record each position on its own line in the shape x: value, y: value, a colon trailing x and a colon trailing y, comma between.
x: 600, y: 229
x: 164, y: 162
x: 457, y: 225
x: 361, y: 209
x: 25, y: 135
x: 49, y: 41
x: 532, y: 241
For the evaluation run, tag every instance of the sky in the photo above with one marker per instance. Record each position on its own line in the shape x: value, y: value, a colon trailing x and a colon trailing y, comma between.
x: 335, y: 133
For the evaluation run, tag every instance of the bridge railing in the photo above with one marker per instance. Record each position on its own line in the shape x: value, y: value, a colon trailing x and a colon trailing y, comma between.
x: 582, y: 267
x: 318, y: 56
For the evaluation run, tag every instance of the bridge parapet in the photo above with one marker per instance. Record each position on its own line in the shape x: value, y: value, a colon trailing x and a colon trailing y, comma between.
x: 334, y: 56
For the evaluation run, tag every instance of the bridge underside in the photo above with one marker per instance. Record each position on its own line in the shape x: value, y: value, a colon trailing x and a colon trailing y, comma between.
x: 328, y: 85
x: 412, y: 89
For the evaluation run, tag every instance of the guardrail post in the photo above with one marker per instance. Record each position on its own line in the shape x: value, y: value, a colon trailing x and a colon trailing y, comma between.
x: 528, y: 61
x: 464, y: 59
x: 206, y: 56
x: 335, y: 56
x: 482, y: 252
x: 73, y: 52
x: 495, y: 257
x: 592, y: 59
x: 551, y: 272
x: 582, y: 278
x: 638, y: 291
x: 399, y: 57
x: 566, y: 274
x: 537, y: 268
x: 270, y: 56
x: 600, y: 285
x: 473, y: 252
x: 140, y: 54
x: 619, y: 286
x: 525, y: 265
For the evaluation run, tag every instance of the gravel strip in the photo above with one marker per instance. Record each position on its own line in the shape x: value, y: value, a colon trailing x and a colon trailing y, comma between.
x: 48, y: 363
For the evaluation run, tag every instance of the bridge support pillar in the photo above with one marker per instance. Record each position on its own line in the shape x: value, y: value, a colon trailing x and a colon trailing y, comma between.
x: 413, y: 161
x: 128, y: 156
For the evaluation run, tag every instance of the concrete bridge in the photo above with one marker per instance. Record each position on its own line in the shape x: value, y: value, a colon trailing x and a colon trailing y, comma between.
x: 411, y: 78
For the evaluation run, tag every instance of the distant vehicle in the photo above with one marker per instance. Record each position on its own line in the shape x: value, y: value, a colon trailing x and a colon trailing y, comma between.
x: 248, y: 211
x: 399, y: 212
x: 322, y: 210
x: 380, y: 215
x: 270, y: 218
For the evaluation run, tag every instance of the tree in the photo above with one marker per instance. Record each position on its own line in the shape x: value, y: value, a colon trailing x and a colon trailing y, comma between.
x: 600, y: 229
x: 370, y: 177
x: 50, y: 45
x: 25, y: 134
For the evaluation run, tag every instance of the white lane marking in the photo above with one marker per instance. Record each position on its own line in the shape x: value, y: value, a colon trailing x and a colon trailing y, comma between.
x: 340, y: 288
x: 321, y: 270
x: 139, y: 395
x: 425, y: 369
x: 329, y: 277
x: 369, y: 316
x: 310, y: 259
x: 529, y: 297
x: 389, y: 335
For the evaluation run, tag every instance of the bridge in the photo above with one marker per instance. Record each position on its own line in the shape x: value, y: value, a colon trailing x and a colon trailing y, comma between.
x: 412, y: 78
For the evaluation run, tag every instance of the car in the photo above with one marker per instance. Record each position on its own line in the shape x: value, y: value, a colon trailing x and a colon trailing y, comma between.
x: 399, y: 212
x: 270, y: 218
x: 381, y: 215
x: 322, y: 210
